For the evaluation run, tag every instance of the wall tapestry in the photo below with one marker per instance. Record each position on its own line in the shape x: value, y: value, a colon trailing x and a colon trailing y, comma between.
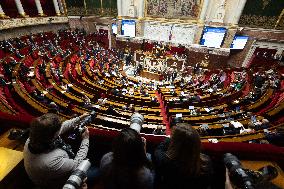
x: 263, y: 14
x: 174, y: 8
x: 178, y: 34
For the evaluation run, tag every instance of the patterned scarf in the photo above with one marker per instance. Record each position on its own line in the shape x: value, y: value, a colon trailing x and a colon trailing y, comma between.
x: 57, y: 143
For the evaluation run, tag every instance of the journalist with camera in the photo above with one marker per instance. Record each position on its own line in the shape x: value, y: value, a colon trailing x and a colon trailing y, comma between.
x: 246, y: 178
x: 128, y: 165
x: 48, y: 160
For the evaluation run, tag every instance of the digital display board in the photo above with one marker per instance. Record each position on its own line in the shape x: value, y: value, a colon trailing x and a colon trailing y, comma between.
x: 239, y: 42
x: 213, y: 37
x: 114, y: 28
x: 128, y: 28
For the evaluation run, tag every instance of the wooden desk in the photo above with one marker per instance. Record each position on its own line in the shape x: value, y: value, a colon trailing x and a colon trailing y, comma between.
x: 9, y: 159
x: 150, y: 75
x: 255, y: 165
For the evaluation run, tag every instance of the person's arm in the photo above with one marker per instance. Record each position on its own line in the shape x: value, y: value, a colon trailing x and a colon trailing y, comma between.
x: 228, y: 184
x: 62, y: 165
x: 71, y: 123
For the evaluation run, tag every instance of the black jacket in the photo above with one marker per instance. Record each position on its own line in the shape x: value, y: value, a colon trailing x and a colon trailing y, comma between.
x: 170, y: 176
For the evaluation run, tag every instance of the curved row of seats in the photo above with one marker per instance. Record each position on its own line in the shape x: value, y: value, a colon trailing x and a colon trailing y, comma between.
x: 83, y: 81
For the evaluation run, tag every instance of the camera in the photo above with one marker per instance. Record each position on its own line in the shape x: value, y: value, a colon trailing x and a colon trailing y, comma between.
x: 136, y: 121
x: 87, y: 120
x: 19, y: 134
x: 175, y: 121
x: 245, y: 178
x: 77, y: 177
x: 80, y: 128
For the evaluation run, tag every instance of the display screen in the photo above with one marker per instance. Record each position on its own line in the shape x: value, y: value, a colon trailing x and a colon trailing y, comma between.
x: 213, y: 37
x: 128, y: 28
x: 114, y: 28
x: 239, y: 42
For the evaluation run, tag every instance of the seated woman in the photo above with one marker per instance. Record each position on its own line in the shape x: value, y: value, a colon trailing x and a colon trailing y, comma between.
x: 127, y: 166
x: 179, y: 163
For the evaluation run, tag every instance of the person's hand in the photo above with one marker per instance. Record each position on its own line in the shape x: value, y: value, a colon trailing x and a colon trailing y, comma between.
x: 228, y: 184
x: 144, y: 142
x: 84, y: 115
x: 84, y: 184
x: 85, y: 134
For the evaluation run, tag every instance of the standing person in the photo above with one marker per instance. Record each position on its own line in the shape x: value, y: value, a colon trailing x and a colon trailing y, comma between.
x: 48, y: 160
x: 179, y: 162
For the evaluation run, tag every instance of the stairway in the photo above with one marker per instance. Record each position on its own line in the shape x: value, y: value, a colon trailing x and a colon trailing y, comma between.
x: 164, y: 113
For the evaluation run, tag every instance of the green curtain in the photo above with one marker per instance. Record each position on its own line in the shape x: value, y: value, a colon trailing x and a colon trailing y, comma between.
x: 75, y: 7
x: 259, y: 7
x: 75, y: 3
x: 262, y: 13
x: 93, y: 4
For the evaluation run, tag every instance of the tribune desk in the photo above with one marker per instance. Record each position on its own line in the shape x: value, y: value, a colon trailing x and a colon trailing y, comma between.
x: 150, y: 75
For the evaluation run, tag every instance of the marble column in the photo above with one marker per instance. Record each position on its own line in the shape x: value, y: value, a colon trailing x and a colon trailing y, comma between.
x: 119, y: 8
x: 61, y: 8
x: 210, y: 10
x: 141, y: 9
x: 139, y: 28
x: 2, y: 13
x: 109, y: 34
x: 118, y: 23
x: 39, y: 8
x: 56, y: 7
x: 20, y: 8
x: 203, y: 11
x: 64, y: 6
x: 229, y: 37
x: 239, y: 10
x: 198, y: 34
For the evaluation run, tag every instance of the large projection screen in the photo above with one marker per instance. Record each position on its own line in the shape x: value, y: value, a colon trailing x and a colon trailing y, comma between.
x: 213, y: 37
x: 114, y: 28
x: 128, y: 28
x: 239, y: 42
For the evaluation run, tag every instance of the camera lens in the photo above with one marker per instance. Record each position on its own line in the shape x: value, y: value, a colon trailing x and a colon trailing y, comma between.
x: 136, y: 121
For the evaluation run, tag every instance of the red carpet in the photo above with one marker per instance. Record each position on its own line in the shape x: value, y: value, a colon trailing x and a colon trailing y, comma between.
x: 164, y: 113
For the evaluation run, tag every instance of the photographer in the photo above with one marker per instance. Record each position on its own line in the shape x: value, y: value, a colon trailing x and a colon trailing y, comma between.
x: 48, y: 160
x: 128, y: 166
